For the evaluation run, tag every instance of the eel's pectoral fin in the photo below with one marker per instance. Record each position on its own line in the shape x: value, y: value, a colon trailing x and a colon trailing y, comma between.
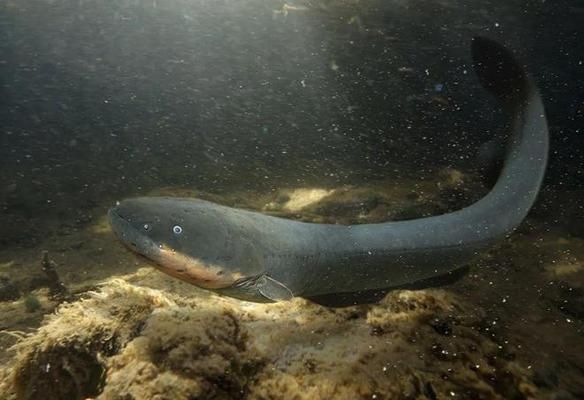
x: 273, y: 289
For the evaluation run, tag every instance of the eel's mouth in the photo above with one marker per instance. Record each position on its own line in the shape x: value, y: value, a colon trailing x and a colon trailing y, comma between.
x: 179, y: 265
x: 130, y: 236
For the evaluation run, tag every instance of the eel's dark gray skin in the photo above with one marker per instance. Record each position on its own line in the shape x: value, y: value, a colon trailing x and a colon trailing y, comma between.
x: 261, y: 258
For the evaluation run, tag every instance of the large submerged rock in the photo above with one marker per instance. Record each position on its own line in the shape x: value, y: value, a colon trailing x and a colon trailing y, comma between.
x: 130, y: 341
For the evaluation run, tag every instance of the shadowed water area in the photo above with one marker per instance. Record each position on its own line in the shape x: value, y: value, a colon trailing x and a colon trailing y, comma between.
x: 341, y: 112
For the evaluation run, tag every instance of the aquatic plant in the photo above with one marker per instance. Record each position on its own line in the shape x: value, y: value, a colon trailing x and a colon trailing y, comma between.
x: 31, y: 303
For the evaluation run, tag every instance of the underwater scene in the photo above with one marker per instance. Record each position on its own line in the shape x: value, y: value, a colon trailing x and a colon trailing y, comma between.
x: 291, y: 200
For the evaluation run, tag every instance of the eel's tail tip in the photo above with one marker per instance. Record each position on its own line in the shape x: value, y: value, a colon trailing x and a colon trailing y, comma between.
x: 498, y: 70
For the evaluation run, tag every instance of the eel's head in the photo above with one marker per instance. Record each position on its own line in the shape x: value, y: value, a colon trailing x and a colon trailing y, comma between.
x: 184, y: 238
x: 199, y: 242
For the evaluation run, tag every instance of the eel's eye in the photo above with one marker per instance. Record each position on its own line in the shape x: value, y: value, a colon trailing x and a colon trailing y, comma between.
x: 177, y: 229
x: 147, y: 227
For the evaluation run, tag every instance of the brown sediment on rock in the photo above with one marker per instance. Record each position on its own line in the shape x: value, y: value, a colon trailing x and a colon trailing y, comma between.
x: 70, y: 347
x: 423, y: 344
x: 129, y: 341
x: 402, y: 308
x: 184, y: 353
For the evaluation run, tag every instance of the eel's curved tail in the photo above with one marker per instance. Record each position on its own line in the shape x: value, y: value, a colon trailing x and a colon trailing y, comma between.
x: 523, y: 167
x: 498, y: 71
x: 525, y: 163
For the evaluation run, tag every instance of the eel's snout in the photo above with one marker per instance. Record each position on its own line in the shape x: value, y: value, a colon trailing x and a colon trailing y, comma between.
x: 126, y: 217
x: 125, y: 210
x: 122, y: 226
x: 115, y: 221
x: 118, y: 223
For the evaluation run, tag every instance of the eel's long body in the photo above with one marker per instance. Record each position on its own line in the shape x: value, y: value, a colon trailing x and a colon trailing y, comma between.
x: 257, y: 257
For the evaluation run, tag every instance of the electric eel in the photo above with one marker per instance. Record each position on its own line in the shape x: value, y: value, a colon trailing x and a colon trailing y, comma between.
x: 261, y: 258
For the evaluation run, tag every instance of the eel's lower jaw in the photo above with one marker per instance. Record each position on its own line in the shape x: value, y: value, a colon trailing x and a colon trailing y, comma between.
x: 194, y: 271
x: 183, y: 276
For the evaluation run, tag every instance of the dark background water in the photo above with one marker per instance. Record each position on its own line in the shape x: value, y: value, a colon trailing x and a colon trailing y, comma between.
x: 105, y: 99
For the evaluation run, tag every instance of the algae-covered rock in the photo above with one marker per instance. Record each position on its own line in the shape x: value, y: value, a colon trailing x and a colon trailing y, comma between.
x: 128, y: 341
x: 71, y: 346
x: 413, y: 345
x: 184, y: 353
